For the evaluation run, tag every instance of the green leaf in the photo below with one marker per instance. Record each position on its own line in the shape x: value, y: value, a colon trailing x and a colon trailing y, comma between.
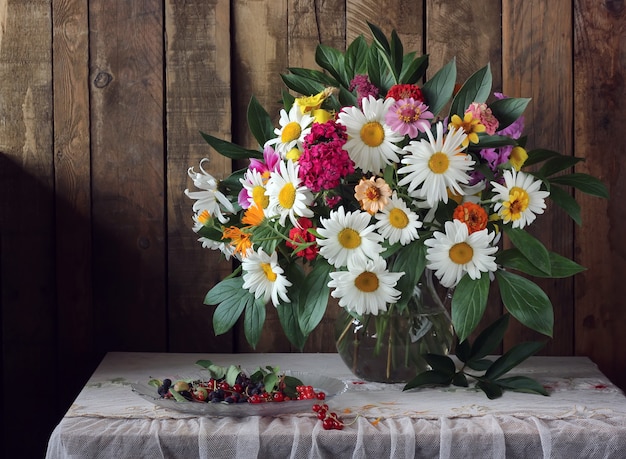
x: 493, y: 141
x: 480, y: 364
x: 558, y: 164
x: 566, y: 201
x: 530, y: 247
x: 441, y: 363
x: 232, y: 299
x: 253, y: 322
x: 462, y: 350
x: 429, y: 378
x: 259, y: 122
x: 332, y: 60
x: 232, y: 373
x: 397, y: 55
x: 522, y: 384
x: 439, y: 89
x: 289, y: 320
x: 468, y: 304
x: 489, y: 339
x: 512, y: 358
x: 356, y: 57
x: 460, y: 380
x: 313, y: 75
x: 491, y: 389
x: 539, y: 155
x: 583, y: 182
x: 526, y: 302
x: 561, y: 266
x: 229, y: 149
x: 177, y: 396
x: 508, y: 110
x: 301, y: 85
x: 379, y: 38
x: 411, y: 260
x: 413, y: 69
x: 477, y: 88
x: 314, y: 297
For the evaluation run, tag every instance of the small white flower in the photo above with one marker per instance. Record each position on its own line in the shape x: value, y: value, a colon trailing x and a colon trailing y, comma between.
x: 348, y: 238
x: 455, y: 252
x: 365, y: 288
x: 263, y: 276
x: 519, y: 199
x: 371, y: 142
x: 295, y: 125
x: 398, y: 223
x: 433, y: 166
x: 209, y: 199
x: 286, y: 197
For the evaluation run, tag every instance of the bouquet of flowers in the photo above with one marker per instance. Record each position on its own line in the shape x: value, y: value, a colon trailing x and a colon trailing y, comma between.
x: 366, y: 182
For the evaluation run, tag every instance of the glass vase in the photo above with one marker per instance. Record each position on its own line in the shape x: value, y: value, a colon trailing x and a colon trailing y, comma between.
x: 390, y: 347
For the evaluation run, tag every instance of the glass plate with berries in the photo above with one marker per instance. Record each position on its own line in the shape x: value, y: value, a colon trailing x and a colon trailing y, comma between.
x: 233, y: 391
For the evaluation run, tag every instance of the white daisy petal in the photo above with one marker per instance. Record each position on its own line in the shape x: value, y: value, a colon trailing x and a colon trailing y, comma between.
x: 287, y: 198
x: 398, y: 223
x: 520, y: 199
x: 263, y: 276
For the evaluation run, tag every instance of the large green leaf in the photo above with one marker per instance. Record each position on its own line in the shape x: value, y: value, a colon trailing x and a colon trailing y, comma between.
x: 516, y: 355
x: 489, y: 339
x: 356, y: 57
x: 583, y: 182
x: 302, y: 85
x: 314, y: 297
x: 259, y: 122
x: 561, y: 266
x: 508, y: 110
x: 439, y: 89
x: 566, y: 201
x: 289, y: 320
x: 429, y: 378
x: 558, y: 164
x: 313, y: 75
x: 522, y: 384
x: 477, y: 88
x: 539, y: 155
x: 530, y: 247
x: 526, y: 302
x: 413, y: 69
x: 468, y: 304
x: 232, y: 299
x: 411, y: 260
x: 332, y: 60
x: 229, y: 149
x: 253, y: 321
x: 493, y: 141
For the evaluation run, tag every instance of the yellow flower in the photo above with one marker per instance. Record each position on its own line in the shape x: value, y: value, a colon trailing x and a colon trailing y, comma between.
x: 321, y: 115
x: 312, y: 103
x: 469, y: 125
x: 518, y: 157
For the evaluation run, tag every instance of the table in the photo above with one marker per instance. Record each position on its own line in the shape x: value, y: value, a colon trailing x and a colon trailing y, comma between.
x: 584, y: 416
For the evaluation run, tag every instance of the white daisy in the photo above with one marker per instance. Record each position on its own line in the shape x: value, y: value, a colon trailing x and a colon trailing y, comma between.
x: 294, y: 126
x: 348, y: 238
x: 365, y: 288
x: 254, y: 184
x: 209, y: 199
x: 199, y: 221
x: 436, y: 165
x: 519, y: 199
x: 371, y: 142
x: 286, y: 196
x: 455, y: 252
x: 396, y: 222
x: 263, y: 276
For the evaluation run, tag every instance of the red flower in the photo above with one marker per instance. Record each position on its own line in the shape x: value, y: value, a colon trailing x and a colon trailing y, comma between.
x: 302, y: 236
x: 404, y: 91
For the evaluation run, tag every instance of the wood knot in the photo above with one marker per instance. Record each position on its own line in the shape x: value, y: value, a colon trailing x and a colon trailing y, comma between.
x: 614, y: 6
x: 102, y: 79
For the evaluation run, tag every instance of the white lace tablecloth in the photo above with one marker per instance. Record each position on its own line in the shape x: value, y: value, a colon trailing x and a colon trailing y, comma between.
x: 584, y: 416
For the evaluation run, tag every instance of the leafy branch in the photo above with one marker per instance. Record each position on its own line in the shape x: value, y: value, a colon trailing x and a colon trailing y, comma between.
x: 488, y: 374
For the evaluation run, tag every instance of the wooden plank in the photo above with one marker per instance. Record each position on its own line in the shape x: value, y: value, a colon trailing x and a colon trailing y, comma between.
x: 28, y: 315
x: 310, y: 25
x: 476, y: 42
x: 126, y: 48
x: 260, y: 53
x: 72, y: 196
x: 600, y: 245
x: 198, y: 99
x: 537, y: 63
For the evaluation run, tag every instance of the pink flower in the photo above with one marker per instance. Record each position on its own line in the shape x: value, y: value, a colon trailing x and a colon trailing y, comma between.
x: 270, y: 163
x: 364, y: 88
x: 324, y: 162
x: 408, y: 117
x: 485, y: 116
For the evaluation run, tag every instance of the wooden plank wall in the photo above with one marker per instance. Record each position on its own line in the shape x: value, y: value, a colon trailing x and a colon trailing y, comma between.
x: 101, y: 104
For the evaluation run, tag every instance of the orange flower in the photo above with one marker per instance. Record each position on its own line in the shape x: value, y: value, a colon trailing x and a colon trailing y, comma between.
x: 253, y: 216
x: 238, y: 239
x: 373, y: 194
x: 473, y: 215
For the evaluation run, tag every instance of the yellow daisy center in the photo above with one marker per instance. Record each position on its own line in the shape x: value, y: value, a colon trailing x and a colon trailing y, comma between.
x: 517, y: 203
x: 398, y: 218
x: 291, y: 132
x: 461, y: 253
x: 372, y: 134
x: 349, y: 238
x: 259, y: 197
x: 267, y: 270
x: 439, y: 163
x: 287, y: 196
x: 204, y: 217
x: 366, y: 282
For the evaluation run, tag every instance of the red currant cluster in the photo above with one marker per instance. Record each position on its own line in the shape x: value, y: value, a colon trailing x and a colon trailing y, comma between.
x: 308, y: 393
x: 330, y: 421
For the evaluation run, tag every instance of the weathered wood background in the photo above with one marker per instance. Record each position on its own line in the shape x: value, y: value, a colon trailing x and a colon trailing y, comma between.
x: 101, y: 104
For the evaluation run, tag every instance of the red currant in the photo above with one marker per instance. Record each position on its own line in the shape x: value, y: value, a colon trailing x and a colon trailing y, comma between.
x: 320, y: 395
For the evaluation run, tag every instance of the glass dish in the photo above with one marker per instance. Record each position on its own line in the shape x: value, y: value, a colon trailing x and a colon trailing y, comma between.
x: 332, y: 387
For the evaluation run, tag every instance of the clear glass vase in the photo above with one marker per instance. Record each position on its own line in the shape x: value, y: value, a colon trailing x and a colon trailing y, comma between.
x: 390, y: 347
